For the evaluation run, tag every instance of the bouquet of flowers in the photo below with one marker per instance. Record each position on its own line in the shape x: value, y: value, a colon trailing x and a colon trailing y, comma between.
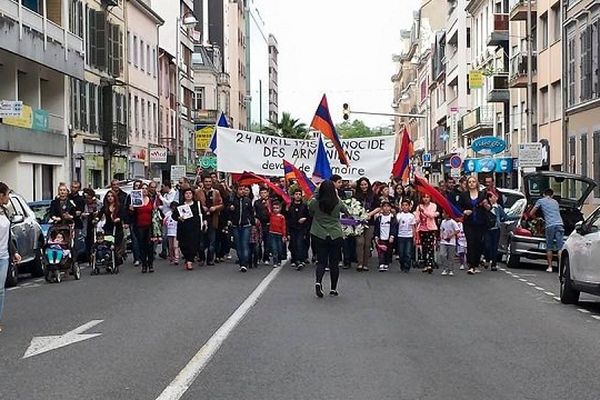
x: 355, y: 224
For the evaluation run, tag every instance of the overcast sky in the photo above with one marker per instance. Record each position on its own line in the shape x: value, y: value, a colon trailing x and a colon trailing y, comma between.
x: 339, y: 47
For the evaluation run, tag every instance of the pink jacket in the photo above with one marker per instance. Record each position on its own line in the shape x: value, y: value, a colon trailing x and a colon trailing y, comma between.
x: 426, y: 216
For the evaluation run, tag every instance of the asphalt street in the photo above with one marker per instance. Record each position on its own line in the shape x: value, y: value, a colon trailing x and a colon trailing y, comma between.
x: 497, y: 335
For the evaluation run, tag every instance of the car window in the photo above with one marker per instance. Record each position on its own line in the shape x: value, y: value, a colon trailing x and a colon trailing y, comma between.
x: 15, y: 207
x: 42, y: 214
x: 22, y: 206
x: 594, y: 221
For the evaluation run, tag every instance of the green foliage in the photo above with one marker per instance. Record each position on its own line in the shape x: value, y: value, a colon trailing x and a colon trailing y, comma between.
x: 354, y: 129
x: 286, y: 127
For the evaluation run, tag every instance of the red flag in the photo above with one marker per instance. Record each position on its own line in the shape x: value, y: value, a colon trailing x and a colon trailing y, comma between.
x: 323, y: 123
x: 401, y: 167
x: 438, y: 198
x: 250, y: 178
x: 305, y: 184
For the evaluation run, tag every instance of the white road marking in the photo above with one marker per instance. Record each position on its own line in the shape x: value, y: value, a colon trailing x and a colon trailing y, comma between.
x: 190, y: 372
x: 12, y: 288
x: 26, y: 284
x: 515, y: 276
x: 531, y: 284
x: 596, y: 317
x: 583, y: 310
x: 539, y: 288
x: 556, y: 298
x: 549, y: 294
x: 39, y: 280
x: 523, y: 280
x: 43, y: 344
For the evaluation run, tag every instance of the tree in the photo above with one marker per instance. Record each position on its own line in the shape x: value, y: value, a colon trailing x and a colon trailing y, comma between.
x: 354, y: 129
x: 287, y: 127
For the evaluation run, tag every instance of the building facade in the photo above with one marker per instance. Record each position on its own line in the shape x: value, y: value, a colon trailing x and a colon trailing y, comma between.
x: 273, y: 79
x: 40, y: 52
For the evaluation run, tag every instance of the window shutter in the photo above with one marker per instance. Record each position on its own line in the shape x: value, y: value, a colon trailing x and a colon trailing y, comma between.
x: 121, y: 53
x: 92, y: 34
x: 101, y: 41
x: 83, y: 105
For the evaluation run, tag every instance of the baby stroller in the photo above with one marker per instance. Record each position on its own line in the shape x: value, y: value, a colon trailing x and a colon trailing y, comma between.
x: 103, y: 252
x: 58, y: 254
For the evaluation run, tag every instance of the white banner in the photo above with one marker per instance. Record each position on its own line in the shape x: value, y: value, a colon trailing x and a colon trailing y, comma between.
x: 240, y: 151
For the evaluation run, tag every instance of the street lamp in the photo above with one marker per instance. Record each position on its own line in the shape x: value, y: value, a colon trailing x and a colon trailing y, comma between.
x: 187, y: 20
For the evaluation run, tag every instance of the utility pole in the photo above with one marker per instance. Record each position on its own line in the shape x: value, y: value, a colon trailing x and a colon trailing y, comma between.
x: 530, y: 39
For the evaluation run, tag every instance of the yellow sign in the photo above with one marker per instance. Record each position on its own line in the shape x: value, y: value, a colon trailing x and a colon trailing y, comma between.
x: 475, y: 79
x: 24, y: 121
x: 203, y: 137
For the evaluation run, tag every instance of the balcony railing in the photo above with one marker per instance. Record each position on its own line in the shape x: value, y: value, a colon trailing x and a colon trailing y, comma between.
x: 518, y: 9
x: 478, y: 119
x: 499, y: 33
x: 498, y: 88
x: 119, y: 134
x: 518, y: 69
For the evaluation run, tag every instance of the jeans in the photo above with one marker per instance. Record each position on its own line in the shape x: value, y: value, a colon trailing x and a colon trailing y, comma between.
x: 385, y: 257
x: 405, y: 247
x: 146, y: 246
x: 492, y: 238
x: 328, y: 256
x: 298, y: 247
x: 222, y: 243
x: 241, y: 235
x: 266, y: 248
x: 211, y: 238
x: 349, y: 250
x: 474, y: 235
x: 135, y: 244
x: 276, y: 245
x: 3, y: 272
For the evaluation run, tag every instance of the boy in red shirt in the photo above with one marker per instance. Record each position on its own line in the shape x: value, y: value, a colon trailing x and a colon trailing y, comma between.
x: 277, y: 235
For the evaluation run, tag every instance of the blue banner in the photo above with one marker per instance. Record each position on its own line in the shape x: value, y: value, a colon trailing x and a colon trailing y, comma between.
x: 488, y: 165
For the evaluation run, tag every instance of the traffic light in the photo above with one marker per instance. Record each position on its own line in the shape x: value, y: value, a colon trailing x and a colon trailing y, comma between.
x: 346, y: 111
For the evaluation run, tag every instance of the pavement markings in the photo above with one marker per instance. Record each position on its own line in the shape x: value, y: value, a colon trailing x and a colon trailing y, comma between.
x: 596, y: 317
x: 190, y: 372
x: 583, y: 310
x: 549, y: 294
x: 531, y: 284
x: 556, y: 298
x: 523, y: 280
x: 539, y: 288
x: 43, y: 344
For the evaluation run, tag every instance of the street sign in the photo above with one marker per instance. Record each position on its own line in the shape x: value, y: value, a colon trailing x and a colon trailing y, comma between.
x: 158, y: 155
x: 455, y: 172
x: 456, y: 162
x: 177, y: 172
x: 426, y: 158
x: 43, y: 344
x: 9, y: 108
x: 530, y: 155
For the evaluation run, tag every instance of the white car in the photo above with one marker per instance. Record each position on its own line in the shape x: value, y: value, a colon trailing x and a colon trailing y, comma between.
x: 579, y: 271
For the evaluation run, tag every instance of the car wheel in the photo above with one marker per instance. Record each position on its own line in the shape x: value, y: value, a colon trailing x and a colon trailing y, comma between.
x: 37, y: 267
x: 12, y: 275
x: 512, y: 261
x: 568, y: 294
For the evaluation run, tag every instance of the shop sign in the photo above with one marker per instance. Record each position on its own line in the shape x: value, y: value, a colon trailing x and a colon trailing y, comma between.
x: 24, y: 121
x: 499, y: 165
x: 94, y: 161
x: 203, y: 137
x: 488, y: 145
x: 177, y: 172
x: 40, y: 120
x: 158, y: 155
x: 475, y: 79
x: 208, y: 161
x: 119, y: 165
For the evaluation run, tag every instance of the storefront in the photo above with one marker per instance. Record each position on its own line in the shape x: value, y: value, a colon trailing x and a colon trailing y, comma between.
x: 94, y: 169
x: 137, y: 162
x: 502, y: 169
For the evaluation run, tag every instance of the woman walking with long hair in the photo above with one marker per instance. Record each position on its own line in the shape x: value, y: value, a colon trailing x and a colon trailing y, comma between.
x: 326, y: 230
x: 135, y: 246
x: 91, y: 207
x: 426, y: 215
x: 474, y: 223
x: 366, y: 197
x: 8, y: 248
x: 190, y: 227
x: 113, y: 216
x: 142, y: 216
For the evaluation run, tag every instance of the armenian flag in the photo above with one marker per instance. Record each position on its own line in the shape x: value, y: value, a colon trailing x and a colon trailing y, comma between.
x: 250, y: 178
x: 304, y: 183
x: 213, y: 141
x: 323, y: 123
x: 322, y: 169
x: 401, y: 168
x: 438, y: 198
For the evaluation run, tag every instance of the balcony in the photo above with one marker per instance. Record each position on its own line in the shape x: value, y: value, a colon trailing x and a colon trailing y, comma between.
x: 477, y: 122
x: 40, y: 39
x: 518, y: 10
x: 518, y: 70
x: 117, y: 135
x: 498, y: 88
x: 499, y: 33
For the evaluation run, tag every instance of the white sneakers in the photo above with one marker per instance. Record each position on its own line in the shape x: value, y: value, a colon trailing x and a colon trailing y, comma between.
x: 383, y: 267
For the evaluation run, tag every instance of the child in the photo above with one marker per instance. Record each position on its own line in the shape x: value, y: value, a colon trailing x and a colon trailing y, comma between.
x: 449, y: 230
x: 461, y: 245
x: 56, y: 249
x: 277, y: 235
x: 171, y: 228
x: 406, y: 232
x: 298, y: 226
x: 256, y: 236
x: 386, y: 230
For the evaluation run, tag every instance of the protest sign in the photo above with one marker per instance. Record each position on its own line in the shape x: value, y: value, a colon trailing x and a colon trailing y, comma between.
x: 241, y: 151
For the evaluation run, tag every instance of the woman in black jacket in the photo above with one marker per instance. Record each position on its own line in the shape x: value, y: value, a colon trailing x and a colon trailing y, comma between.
x: 190, y: 230
x: 242, y: 218
x: 114, y: 215
x: 470, y: 202
x: 62, y: 209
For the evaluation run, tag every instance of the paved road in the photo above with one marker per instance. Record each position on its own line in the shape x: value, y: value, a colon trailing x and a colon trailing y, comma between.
x: 388, y: 336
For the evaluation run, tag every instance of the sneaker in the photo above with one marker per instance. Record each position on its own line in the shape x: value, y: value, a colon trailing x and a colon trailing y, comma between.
x: 445, y: 272
x: 300, y: 266
x: 477, y: 270
x: 450, y: 273
x: 359, y: 268
x: 386, y: 267
x: 462, y: 267
x: 136, y: 264
x: 243, y: 268
x: 293, y: 265
x: 276, y: 265
x: 549, y: 269
x: 151, y: 269
x: 333, y: 293
x: 318, y: 290
x: 381, y: 268
x: 471, y: 271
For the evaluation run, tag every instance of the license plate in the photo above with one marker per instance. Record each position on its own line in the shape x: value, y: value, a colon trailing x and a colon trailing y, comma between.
x: 542, y: 246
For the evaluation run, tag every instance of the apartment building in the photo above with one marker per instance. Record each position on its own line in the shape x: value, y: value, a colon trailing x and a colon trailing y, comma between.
x: 405, y: 86
x: 581, y: 70
x: 177, y: 37
x: 238, y: 63
x: 40, y: 51
x: 257, y: 67
x: 273, y: 79
x: 142, y: 86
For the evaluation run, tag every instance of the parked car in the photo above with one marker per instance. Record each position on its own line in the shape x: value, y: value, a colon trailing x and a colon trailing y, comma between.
x: 579, y: 270
x: 41, y: 209
x: 29, y: 238
x: 523, y: 236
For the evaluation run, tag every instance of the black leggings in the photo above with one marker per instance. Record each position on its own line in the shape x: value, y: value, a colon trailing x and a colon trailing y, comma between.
x: 329, y: 253
x: 146, y: 246
x: 474, y: 235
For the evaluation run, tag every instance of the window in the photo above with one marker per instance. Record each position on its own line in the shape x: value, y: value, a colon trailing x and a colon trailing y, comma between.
x: 544, y: 103
x: 74, y: 89
x: 556, y: 103
x: 154, y: 121
x: 149, y: 63
x: 143, y: 108
x: 571, y: 71
x: 136, y: 110
x: 161, y: 113
x: 515, y: 118
x: 83, y: 106
x: 556, y: 23
x: 596, y: 160
x: 572, y: 161
x: 523, y: 115
x: 586, y: 63
x: 199, y: 98
x: 135, y: 50
x: 584, y: 158
x: 154, y: 67
x: 142, y: 58
x: 544, y: 32
x: 93, y: 92
x: 150, y: 125
x: 595, y: 40
x: 115, y: 50
x: 468, y: 38
x: 129, y: 47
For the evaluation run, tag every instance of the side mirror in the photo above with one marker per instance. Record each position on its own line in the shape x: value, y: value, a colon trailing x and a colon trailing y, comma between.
x: 17, y: 219
x: 579, y: 228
